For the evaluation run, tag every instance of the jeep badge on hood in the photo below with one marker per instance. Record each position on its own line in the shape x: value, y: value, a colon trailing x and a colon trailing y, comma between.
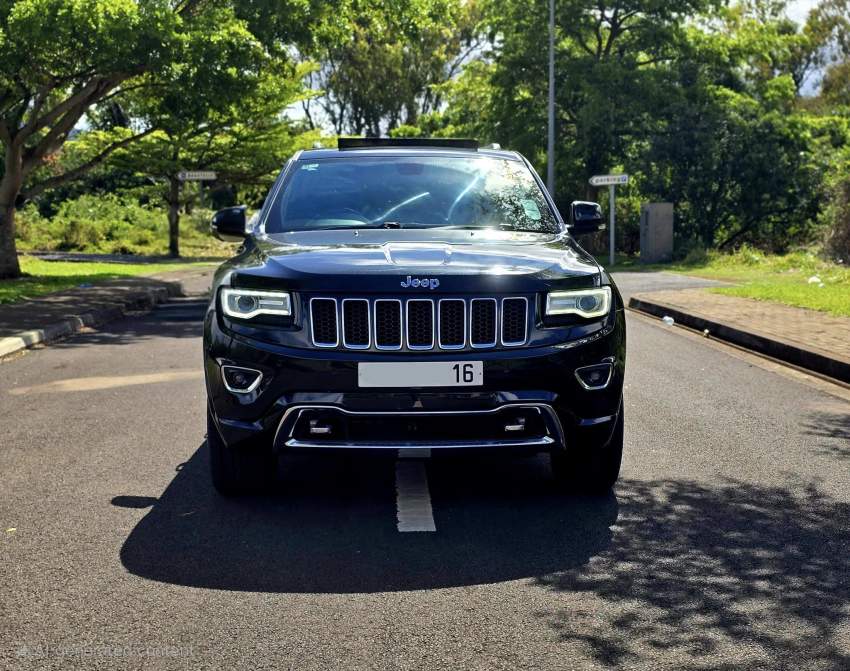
x: 424, y: 283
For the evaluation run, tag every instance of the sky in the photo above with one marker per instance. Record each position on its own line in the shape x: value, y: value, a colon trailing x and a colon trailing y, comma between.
x: 798, y: 9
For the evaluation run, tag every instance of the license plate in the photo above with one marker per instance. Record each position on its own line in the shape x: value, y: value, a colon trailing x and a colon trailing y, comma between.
x: 421, y: 374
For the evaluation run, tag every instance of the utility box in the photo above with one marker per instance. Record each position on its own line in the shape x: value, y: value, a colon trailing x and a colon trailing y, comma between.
x: 656, y: 232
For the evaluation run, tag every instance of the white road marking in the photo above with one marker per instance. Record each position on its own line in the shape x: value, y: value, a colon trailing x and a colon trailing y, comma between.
x: 414, y: 453
x: 104, y: 382
x: 413, y: 500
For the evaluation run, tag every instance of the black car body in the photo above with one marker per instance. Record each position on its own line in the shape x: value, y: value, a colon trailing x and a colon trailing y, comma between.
x: 354, y: 332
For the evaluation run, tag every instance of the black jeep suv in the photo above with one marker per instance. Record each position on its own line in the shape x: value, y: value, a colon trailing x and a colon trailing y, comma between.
x: 406, y: 294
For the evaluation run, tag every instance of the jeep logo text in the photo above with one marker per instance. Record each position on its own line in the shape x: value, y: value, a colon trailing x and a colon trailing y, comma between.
x: 424, y: 283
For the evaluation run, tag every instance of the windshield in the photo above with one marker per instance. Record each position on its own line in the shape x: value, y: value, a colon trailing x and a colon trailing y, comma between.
x: 410, y: 192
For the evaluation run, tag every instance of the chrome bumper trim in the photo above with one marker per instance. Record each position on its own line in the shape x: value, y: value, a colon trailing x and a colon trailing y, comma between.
x: 551, y: 420
x: 545, y: 441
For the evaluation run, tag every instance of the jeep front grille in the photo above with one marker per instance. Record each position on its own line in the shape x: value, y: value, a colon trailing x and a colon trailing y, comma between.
x: 514, y: 321
x: 356, y: 332
x: 451, y: 320
x: 388, y: 323
x: 323, y: 322
x: 417, y: 324
x: 420, y: 323
x: 483, y: 322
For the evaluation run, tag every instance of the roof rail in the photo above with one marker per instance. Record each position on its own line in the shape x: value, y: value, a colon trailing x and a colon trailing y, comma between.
x: 379, y: 142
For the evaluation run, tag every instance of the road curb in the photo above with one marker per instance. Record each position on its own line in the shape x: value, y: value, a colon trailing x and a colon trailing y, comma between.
x: 818, y: 362
x: 143, y: 299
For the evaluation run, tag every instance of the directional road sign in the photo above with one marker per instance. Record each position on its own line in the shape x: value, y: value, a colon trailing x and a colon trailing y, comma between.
x: 196, y: 175
x: 609, y: 180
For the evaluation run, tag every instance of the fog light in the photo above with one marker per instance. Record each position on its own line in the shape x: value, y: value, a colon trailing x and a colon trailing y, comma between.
x: 595, y: 377
x: 317, y: 429
x: 240, y: 380
x: 516, y: 425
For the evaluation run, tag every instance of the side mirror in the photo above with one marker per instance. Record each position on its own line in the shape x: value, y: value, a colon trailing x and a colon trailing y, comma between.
x: 229, y: 224
x: 585, y: 218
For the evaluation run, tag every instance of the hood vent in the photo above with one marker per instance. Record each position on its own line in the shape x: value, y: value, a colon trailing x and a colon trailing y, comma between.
x: 417, y: 254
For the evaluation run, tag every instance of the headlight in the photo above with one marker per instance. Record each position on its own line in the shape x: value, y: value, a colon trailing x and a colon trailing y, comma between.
x: 248, y: 303
x: 584, y: 303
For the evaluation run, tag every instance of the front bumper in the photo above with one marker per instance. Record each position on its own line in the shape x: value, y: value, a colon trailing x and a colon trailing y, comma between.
x: 303, y: 384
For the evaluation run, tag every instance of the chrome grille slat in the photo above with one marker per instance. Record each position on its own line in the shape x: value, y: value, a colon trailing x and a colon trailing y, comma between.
x: 419, y: 324
x: 422, y: 322
x: 514, y: 321
x: 355, y: 333
x: 323, y: 322
x: 450, y: 333
x: 390, y: 336
x: 480, y: 324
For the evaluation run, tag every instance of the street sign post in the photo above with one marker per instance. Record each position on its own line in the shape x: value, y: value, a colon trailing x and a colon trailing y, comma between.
x: 611, y: 181
x: 196, y: 176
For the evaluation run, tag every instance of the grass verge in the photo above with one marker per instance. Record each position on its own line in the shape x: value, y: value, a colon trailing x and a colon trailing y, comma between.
x: 44, y: 277
x: 801, y: 279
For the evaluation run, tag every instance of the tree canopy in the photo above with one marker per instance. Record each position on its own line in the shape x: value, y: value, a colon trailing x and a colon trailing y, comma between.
x: 732, y: 111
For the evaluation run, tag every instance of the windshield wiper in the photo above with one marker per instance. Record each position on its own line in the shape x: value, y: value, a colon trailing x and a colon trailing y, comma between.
x: 469, y: 227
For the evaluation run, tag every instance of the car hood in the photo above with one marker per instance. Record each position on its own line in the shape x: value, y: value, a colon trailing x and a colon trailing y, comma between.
x: 377, y: 261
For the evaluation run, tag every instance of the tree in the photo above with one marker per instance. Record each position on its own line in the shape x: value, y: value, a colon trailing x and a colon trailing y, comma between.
x: 234, y: 128
x: 58, y: 58
x: 699, y: 101
x: 380, y: 62
x: 731, y: 147
x: 611, y: 61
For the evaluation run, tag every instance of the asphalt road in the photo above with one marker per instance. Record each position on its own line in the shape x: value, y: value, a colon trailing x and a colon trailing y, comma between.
x: 725, y: 546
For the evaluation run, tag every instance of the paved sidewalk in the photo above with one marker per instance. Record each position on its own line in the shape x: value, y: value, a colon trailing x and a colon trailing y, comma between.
x: 631, y: 282
x: 62, y: 313
x: 811, y: 339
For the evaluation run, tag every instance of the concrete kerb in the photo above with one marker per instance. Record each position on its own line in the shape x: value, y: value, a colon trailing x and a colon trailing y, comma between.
x: 815, y: 361
x: 143, y: 299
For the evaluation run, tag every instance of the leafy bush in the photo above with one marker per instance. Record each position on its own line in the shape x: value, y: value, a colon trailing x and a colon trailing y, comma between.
x: 691, y: 252
x: 836, y: 215
x: 113, y: 225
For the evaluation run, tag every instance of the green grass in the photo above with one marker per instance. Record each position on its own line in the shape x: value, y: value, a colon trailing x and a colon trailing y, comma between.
x: 44, y: 277
x: 782, y: 279
x: 778, y: 278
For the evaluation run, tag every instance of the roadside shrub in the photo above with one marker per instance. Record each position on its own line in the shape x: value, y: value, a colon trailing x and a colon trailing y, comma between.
x: 692, y: 253
x: 113, y: 224
x: 836, y: 216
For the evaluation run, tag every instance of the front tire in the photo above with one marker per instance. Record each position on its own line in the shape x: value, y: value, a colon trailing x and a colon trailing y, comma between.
x: 237, y: 471
x: 591, y: 469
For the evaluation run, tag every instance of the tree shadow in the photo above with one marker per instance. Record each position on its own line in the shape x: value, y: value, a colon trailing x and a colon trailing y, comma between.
x: 743, y: 575
x: 834, y: 428
x: 331, y: 528
x: 165, y: 321
x: 730, y: 575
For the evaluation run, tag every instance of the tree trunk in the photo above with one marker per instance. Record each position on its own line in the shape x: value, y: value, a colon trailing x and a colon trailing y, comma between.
x: 173, y: 217
x: 10, y: 189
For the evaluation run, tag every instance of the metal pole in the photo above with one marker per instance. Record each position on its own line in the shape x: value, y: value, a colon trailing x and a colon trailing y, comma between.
x: 611, y: 216
x: 550, y: 146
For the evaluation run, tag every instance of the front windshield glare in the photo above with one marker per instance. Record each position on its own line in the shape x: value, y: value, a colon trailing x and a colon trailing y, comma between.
x: 410, y: 192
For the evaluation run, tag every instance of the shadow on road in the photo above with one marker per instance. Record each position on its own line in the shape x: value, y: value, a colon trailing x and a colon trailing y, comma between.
x: 698, y: 571
x: 729, y: 575
x: 332, y: 528
x: 834, y: 428
x: 172, y: 321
